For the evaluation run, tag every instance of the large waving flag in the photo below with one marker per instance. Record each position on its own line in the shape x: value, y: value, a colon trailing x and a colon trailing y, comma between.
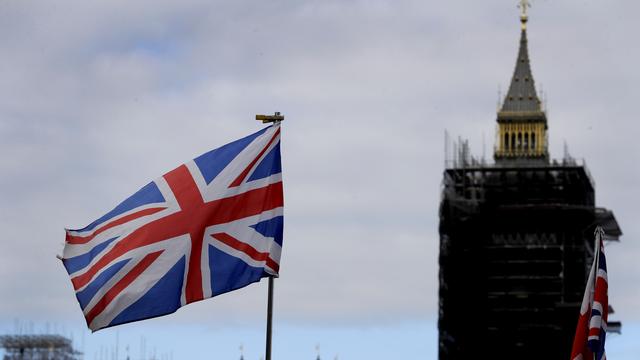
x: 209, y: 226
x: 592, y: 323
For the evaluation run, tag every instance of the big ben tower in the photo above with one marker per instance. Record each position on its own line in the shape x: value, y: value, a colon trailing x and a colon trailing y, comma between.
x: 516, y: 237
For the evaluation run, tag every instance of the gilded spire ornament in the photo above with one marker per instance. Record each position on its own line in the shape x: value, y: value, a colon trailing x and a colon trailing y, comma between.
x: 524, y: 5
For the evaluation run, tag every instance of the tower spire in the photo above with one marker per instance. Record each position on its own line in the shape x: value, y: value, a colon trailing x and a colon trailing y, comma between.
x: 522, y: 95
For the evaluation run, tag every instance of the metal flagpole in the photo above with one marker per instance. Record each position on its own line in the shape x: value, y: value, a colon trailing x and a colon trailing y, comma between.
x: 599, y: 235
x: 596, y: 260
x: 269, y: 317
x: 275, y: 118
x: 599, y: 238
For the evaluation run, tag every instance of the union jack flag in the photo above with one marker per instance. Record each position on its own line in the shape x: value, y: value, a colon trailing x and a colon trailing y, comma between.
x: 592, y: 323
x: 209, y: 226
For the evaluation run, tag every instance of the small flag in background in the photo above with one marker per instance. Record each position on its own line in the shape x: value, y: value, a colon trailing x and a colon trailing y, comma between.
x: 209, y: 226
x: 592, y: 323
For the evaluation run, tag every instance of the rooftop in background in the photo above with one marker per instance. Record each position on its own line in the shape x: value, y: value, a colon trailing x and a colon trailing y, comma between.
x: 36, y: 347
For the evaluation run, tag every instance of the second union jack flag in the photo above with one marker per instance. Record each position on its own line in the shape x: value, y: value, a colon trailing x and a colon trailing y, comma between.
x: 592, y: 323
x: 209, y: 226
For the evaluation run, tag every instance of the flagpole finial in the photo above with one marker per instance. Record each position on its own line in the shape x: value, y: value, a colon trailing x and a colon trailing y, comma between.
x: 276, y: 117
x: 524, y: 17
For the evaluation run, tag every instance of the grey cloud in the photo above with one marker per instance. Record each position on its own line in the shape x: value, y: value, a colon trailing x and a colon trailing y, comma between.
x: 98, y: 99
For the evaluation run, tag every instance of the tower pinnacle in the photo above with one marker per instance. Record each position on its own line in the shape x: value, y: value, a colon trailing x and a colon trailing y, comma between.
x: 524, y: 4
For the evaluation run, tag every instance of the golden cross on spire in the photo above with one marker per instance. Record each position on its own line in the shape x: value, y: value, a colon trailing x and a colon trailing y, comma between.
x: 524, y: 4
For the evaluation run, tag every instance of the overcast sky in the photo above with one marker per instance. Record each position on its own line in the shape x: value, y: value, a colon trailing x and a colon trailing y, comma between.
x: 98, y: 98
